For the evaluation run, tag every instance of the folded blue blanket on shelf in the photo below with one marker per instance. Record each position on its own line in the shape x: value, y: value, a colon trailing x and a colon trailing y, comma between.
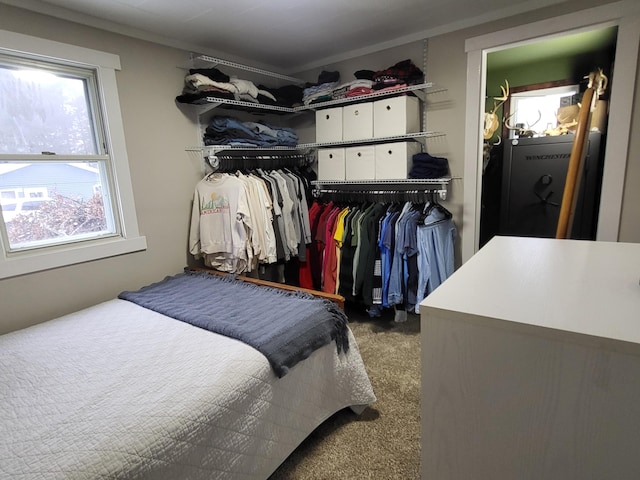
x: 286, y: 327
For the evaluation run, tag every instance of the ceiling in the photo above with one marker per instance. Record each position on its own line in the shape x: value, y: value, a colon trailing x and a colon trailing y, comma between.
x: 288, y: 35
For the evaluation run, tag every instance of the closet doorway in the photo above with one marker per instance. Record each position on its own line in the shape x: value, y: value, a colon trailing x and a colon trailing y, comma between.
x: 526, y: 158
x: 622, y: 88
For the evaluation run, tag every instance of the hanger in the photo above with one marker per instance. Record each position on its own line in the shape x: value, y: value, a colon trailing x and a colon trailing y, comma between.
x: 433, y: 204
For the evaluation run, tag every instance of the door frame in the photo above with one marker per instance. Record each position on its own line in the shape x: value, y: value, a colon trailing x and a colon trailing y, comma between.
x: 626, y: 16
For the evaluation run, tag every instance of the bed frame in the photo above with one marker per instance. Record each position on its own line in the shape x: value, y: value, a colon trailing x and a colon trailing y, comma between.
x: 337, y: 299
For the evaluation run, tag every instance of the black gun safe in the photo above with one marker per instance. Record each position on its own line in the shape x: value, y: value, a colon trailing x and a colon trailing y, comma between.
x: 533, y: 175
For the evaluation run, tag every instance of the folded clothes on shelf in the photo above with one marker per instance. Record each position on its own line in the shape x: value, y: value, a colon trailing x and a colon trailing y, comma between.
x: 427, y: 166
x: 404, y: 72
x: 202, y: 83
x: 223, y: 130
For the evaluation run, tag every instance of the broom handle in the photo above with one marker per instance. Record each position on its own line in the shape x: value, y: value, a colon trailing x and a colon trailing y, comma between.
x: 572, y: 182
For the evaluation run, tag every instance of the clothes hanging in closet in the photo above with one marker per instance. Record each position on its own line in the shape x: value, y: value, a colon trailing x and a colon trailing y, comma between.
x: 242, y: 220
x: 436, y: 238
x: 381, y: 255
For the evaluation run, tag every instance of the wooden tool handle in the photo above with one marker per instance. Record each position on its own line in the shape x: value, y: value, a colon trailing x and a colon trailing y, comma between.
x: 576, y: 161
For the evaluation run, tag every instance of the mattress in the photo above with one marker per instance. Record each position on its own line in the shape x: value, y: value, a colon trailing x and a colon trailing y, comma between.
x: 120, y: 391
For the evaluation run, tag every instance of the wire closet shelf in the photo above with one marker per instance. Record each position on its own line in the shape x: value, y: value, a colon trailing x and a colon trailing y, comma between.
x: 412, y: 187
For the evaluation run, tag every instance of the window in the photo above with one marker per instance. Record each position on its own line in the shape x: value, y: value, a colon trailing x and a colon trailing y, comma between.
x: 65, y: 191
x: 536, y: 110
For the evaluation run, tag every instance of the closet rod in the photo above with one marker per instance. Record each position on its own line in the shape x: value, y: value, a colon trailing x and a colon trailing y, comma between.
x: 318, y: 192
x: 234, y: 162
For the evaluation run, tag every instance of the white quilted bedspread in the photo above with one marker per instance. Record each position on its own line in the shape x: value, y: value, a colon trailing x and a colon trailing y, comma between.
x: 119, y: 391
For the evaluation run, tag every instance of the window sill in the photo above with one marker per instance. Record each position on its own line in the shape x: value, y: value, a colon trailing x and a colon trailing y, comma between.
x: 70, y: 255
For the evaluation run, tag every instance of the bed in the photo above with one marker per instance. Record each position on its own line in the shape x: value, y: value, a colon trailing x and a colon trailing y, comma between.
x: 121, y: 390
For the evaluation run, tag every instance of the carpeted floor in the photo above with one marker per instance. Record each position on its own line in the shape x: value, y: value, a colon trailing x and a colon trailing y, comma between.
x: 384, y: 442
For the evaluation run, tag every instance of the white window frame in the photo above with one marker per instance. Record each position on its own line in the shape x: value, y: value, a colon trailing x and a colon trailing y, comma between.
x: 129, y: 240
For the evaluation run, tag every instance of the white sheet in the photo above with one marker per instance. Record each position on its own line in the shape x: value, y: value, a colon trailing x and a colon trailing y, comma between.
x: 119, y: 391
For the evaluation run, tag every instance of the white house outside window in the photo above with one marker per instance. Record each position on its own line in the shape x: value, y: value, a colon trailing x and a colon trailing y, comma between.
x: 61, y: 156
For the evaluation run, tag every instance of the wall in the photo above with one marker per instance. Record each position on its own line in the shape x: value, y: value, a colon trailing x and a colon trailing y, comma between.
x: 565, y: 67
x: 164, y: 175
x: 538, y: 72
x: 629, y: 224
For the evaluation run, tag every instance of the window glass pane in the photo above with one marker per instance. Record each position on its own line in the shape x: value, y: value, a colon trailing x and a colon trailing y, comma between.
x: 537, y: 110
x: 44, y: 111
x: 54, y: 202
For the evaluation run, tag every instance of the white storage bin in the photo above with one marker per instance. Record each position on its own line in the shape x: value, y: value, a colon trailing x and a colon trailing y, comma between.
x: 357, y: 121
x: 329, y: 125
x: 396, y: 116
x: 360, y: 163
x: 393, y: 160
x: 331, y: 164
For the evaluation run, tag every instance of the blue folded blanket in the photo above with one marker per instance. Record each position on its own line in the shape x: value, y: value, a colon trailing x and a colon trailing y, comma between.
x: 285, y: 327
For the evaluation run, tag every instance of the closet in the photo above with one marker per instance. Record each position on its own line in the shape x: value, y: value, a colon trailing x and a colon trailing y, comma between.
x: 358, y: 168
x: 250, y: 216
x: 381, y: 248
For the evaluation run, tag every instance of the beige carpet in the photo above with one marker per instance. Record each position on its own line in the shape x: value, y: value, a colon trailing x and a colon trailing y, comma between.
x: 384, y: 442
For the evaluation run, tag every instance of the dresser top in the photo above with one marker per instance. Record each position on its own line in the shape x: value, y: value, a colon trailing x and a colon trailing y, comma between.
x: 576, y: 286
